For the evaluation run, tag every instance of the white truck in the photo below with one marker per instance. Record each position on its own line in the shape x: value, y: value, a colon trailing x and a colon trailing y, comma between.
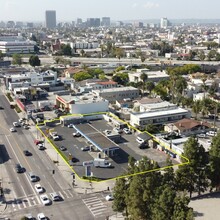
x: 103, y: 163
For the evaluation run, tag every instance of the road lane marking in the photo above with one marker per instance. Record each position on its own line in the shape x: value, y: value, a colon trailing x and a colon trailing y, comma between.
x: 66, y: 194
x: 61, y: 194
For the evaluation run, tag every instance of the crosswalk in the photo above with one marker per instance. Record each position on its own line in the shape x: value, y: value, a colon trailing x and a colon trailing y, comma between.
x: 34, y: 200
x: 95, y: 205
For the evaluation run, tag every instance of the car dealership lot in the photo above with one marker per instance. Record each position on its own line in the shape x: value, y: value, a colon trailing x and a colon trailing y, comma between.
x: 93, y: 135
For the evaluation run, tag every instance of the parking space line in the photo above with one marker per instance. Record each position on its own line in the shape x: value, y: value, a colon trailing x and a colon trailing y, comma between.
x: 66, y: 194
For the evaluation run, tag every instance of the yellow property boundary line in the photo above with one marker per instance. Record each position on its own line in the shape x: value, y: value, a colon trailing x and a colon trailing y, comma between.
x: 118, y: 119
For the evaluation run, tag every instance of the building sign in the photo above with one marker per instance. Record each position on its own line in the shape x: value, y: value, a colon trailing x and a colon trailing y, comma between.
x: 88, y: 170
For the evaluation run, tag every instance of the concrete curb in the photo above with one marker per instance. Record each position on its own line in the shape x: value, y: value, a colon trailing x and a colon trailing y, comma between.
x: 3, y: 206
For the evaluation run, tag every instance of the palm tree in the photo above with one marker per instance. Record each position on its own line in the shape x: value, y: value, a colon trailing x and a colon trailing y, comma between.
x: 144, y: 78
x: 196, y: 107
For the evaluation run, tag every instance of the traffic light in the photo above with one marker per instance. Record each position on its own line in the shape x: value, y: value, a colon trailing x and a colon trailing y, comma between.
x: 53, y: 171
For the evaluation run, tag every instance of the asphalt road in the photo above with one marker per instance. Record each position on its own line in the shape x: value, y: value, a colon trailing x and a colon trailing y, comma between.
x: 119, y: 160
x: 50, y: 60
x: 19, y: 188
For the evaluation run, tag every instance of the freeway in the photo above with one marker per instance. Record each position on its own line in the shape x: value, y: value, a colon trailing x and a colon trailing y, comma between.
x: 129, y: 61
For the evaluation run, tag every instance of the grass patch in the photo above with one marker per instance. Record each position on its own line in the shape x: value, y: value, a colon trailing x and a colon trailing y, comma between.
x: 9, y: 97
x: 92, y: 178
x: 18, y: 110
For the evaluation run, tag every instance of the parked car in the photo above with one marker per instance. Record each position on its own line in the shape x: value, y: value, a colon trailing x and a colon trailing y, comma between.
x: 38, y: 141
x: 29, y: 216
x: 107, y: 132
x: 55, y: 196
x: 27, y: 153
x: 26, y: 127
x: 41, y: 146
x: 143, y: 145
x: 45, y: 200
x: 12, y: 129
x: 139, y: 140
x: 19, y: 168
x: 211, y: 133
x: 109, y: 197
x: 118, y: 130
x: 201, y: 135
x: 127, y: 131
x: 86, y: 148
x: 70, y: 126
x: 39, y: 188
x: 62, y: 148
x: 1, y: 107
x: 41, y: 216
x: 16, y: 124
x: 76, y: 134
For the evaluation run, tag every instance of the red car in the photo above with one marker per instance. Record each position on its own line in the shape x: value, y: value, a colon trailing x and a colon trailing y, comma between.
x: 37, y: 142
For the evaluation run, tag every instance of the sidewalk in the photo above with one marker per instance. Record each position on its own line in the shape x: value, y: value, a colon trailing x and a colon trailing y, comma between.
x: 80, y: 186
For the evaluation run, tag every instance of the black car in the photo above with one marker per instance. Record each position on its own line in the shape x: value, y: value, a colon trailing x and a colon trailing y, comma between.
x: 1, y: 107
x: 143, y: 146
x: 19, y: 168
x: 27, y: 153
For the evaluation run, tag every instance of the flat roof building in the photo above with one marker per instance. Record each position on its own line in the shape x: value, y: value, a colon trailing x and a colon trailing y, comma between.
x: 82, y: 104
x: 118, y: 93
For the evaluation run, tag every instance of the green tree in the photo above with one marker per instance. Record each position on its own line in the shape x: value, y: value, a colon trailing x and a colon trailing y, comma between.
x: 144, y: 78
x: 150, y: 86
x: 80, y: 76
x: 196, y: 107
x: 120, y: 191
x: 17, y: 59
x: 119, y: 52
x: 163, y: 208
x: 121, y: 78
x: 66, y: 49
x: 201, y: 55
x: 136, y: 204
x: 34, y: 60
x: 214, y: 162
x: 192, y: 177
x: 181, y: 210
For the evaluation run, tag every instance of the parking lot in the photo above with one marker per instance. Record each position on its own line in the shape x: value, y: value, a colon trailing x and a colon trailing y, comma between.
x: 93, y: 131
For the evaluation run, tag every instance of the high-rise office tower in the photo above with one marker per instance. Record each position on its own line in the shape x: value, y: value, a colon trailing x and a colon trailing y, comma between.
x: 164, y: 23
x: 93, y: 22
x: 106, y: 21
x: 50, y: 19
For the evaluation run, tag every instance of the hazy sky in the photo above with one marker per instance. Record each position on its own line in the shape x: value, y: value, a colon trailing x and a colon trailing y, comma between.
x: 69, y: 10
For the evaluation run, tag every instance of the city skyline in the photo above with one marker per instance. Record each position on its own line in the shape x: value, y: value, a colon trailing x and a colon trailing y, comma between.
x: 69, y: 10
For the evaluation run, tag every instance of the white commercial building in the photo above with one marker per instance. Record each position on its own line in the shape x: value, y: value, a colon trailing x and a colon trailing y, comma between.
x: 158, y: 113
x: 119, y: 93
x: 84, y: 104
x: 32, y: 79
x: 154, y: 76
x: 16, y: 44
